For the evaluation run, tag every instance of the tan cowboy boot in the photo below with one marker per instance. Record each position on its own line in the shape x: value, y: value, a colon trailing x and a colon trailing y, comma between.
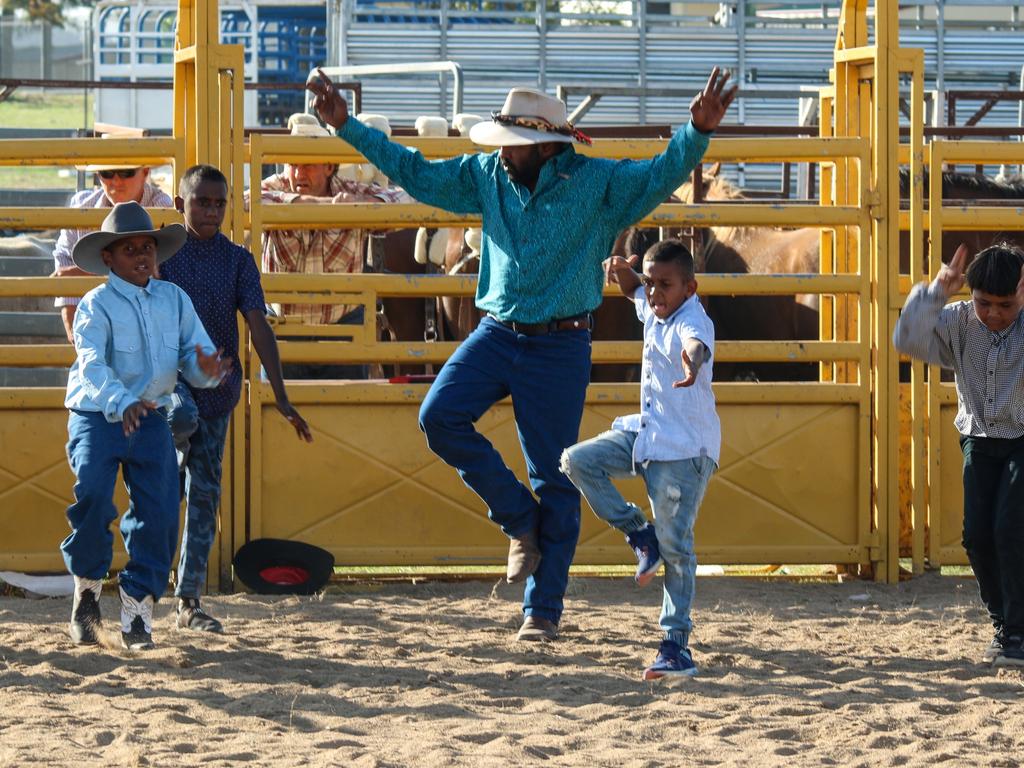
x: 523, y: 557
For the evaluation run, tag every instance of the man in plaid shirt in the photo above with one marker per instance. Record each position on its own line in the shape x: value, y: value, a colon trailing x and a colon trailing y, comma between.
x: 319, y: 251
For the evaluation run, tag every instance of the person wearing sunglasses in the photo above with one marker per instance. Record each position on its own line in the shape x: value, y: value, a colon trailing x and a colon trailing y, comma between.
x: 117, y: 184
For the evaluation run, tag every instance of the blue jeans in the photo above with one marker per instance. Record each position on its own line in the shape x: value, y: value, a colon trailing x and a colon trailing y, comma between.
x: 675, y: 489
x: 96, y: 448
x: 200, y: 446
x: 547, y: 378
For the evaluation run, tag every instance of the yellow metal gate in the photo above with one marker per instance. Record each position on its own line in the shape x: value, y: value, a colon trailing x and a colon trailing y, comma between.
x: 808, y: 471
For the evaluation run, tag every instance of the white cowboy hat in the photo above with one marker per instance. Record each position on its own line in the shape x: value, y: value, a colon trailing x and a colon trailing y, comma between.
x: 302, y: 124
x: 528, y: 117
x: 126, y: 220
x: 108, y: 131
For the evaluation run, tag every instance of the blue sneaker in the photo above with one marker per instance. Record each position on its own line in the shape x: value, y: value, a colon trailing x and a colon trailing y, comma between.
x: 645, y: 545
x: 672, y: 661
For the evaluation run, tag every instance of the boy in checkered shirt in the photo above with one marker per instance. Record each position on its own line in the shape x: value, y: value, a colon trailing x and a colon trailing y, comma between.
x: 982, y: 341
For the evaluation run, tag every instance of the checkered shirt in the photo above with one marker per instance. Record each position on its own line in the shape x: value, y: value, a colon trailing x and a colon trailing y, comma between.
x: 317, y: 251
x: 988, y: 366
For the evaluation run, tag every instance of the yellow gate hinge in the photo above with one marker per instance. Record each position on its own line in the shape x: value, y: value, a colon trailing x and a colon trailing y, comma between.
x: 873, y: 200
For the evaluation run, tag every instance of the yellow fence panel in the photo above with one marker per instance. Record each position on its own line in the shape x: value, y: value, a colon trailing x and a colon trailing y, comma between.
x: 371, y: 492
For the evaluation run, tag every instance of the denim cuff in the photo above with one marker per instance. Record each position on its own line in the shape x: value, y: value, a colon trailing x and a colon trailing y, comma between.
x: 637, y: 523
x: 679, y: 638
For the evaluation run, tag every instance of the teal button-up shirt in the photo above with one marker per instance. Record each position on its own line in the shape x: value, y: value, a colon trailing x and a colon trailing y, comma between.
x: 541, y: 253
x: 130, y: 343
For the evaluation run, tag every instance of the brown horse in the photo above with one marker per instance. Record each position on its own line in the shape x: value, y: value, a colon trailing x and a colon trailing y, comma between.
x: 757, y: 250
x: 400, y: 319
x: 614, y: 319
x: 964, y: 186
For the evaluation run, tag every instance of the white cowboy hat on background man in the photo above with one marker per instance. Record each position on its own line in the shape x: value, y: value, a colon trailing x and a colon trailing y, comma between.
x: 126, y: 220
x: 302, y: 124
x: 111, y: 131
x: 528, y: 117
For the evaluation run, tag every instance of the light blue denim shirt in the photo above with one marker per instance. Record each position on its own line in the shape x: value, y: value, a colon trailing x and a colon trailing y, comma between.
x: 131, y: 343
x: 673, y: 424
x: 541, y: 254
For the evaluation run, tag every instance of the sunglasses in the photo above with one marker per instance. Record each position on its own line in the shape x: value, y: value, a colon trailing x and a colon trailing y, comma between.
x: 125, y: 173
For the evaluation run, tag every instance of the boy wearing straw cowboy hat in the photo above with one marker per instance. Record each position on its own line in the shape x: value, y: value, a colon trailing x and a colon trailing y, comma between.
x: 132, y: 335
x: 119, y: 183
x: 550, y: 217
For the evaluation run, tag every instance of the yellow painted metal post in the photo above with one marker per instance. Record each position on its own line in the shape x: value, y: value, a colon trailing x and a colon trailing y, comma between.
x: 209, y: 120
x: 914, y: 63
x: 935, y: 161
x: 827, y: 240
x: 886, y: 268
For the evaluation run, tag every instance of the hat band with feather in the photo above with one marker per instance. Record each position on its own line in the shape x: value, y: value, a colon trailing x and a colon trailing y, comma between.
x: 537, y: 123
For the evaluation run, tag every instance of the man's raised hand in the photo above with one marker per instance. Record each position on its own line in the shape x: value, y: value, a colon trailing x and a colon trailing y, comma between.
x: 709, y: 106
x: 327, y: 101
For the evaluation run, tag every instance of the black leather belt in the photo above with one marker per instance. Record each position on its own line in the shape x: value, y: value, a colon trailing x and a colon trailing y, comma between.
x: 574, y: 323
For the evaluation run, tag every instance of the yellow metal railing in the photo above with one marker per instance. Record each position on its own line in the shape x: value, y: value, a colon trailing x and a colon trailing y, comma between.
x: 859, y: 218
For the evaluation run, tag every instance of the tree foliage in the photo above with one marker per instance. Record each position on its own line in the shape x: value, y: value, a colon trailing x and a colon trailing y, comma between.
x: 41, y: 10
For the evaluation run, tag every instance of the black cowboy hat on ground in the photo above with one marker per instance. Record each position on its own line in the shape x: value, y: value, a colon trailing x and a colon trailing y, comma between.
x: 281, y: 567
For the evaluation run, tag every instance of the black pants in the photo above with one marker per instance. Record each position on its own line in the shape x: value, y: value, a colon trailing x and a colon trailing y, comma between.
x: 994, y: 526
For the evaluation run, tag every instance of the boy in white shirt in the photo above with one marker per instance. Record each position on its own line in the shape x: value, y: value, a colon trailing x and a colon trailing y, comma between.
x: 673, y: 443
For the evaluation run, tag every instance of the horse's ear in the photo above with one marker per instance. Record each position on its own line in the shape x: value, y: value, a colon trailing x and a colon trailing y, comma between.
x: 712, y: 171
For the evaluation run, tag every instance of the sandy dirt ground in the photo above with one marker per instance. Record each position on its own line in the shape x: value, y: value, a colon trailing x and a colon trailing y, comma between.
x: 399, y: 674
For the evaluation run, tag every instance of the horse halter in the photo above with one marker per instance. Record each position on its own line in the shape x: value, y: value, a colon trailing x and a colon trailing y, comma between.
x: 462, y: 263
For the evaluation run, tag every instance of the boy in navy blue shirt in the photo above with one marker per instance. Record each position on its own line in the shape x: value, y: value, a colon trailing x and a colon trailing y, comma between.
x: 221, y: 278
x: 132, y: 335
x: 673, y: 443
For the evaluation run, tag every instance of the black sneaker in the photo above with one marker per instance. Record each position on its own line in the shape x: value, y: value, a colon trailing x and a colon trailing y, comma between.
x: 136, y: 622
x: 85, y: 612
x: 1012, y: 654
x: 192, y: 616
x: 994, y: 649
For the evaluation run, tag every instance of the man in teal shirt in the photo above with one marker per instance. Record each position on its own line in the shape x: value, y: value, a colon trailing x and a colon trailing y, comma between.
x: 550, y: 218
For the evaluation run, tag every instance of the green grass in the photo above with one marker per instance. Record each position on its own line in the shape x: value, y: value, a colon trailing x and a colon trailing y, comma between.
x: 34, y: 108
x: 19, y: 177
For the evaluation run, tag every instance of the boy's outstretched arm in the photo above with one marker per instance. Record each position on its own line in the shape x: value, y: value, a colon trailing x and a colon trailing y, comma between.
x: 693, y: 356
x: 266, y: 347
x: 623, y: 273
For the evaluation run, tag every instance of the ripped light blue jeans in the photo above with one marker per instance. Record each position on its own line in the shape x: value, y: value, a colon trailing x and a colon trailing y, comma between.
x: 675, y: 490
